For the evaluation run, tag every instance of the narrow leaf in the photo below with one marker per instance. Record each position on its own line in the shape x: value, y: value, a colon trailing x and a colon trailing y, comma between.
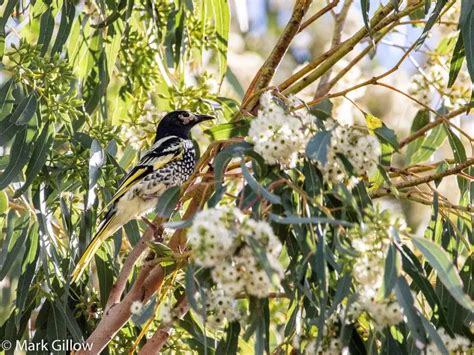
x: 447, y: 273
x: 168, y: 201
x: 318, y: 147
x: 456, y: 60
x: 255, y: 186
x: 40, y: 152
x: 18, y: 158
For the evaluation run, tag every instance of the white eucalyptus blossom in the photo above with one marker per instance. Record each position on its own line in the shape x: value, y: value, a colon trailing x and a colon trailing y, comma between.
x: 277, y: 135
x: 457, y: 345
x: 371, y: 241
x: 213, y: 235
x: 220, y: 308
x: 430, y: 86
x: 136, y: 307
x: 361, y: 150
x: 220, y: 239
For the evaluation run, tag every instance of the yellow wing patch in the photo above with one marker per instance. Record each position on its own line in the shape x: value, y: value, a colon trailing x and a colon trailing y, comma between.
x: 135, y: 177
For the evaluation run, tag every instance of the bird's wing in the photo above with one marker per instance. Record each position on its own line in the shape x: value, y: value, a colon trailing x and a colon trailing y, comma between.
x: 161, y: 153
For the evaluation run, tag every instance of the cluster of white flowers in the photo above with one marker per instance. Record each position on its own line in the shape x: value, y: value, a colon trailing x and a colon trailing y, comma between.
x: 333, y: 347
x: 136, y: 307
x: 429, y: 86
x: 135, y: 133
x: 165, y: 313
x: 219, y: 240
x: 371, y: 241
x: 220, y: 308
x: 361, y: 150
x: 457, y: 345
x: 278, y: 135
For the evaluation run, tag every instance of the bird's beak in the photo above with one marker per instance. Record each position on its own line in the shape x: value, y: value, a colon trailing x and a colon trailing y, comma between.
x: 202, y: 118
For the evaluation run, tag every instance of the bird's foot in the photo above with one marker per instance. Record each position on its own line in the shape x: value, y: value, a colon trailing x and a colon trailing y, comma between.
x: 148, y: 197
x: 157, y: 235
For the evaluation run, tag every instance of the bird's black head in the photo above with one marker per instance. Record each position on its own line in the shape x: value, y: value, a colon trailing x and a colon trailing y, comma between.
x: 179, y: 123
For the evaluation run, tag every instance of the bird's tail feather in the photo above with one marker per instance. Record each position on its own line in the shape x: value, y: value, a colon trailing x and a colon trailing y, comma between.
x: 105, y: 230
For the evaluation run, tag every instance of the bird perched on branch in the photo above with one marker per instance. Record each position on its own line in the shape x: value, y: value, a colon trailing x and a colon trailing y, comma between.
x: 169, y: 162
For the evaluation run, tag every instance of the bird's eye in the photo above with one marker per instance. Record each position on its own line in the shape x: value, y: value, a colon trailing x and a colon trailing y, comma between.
x: 186, y: 114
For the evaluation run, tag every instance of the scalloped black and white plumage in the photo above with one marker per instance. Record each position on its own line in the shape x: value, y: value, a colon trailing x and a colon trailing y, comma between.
x: 169, y: 162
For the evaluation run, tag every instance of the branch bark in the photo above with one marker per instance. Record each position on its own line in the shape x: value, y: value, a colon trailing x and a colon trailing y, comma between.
x: 266, y: 72
x: 423, y: 180
x: 148, y: 282
x: 158, y: 340
x: 340, y: 20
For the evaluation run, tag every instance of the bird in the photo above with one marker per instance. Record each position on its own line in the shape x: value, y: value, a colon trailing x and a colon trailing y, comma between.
x: 169, y: 162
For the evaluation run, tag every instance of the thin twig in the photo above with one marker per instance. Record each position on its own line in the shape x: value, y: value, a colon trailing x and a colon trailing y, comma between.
x: 318, y: 14
x: 423, y: 180
x: 266, y: 72
x: 340, y: 20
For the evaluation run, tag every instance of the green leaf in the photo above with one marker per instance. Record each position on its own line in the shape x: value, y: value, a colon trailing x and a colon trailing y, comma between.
x: 467, y: 33
x: 260, y: 255
x: 6, y: 98
x: 112, y: 48
x: 429, y: 145
x: 38, y: 158
x: 387, y: 135
x: 432, y: 20
x: 365, y: 7
x: 422, y: 118
x: 256, y: 187
x: 15, y: 249
x: 3, y: 202
x: 18, y: 159
x: 223, y: 159
x: 71, y: 322
x: 406, y: 301
x: 7, y: 11
x: 441, y: 262
x: 46, y: 30
x: 456, y: 61
x: 25, y: 110
x: 308, y: 220
x: 56, y: 327
x: 228, y: 130
x: 68, y: 12
x: 392, y: 270
x: 459, y: 153
x: 191, y: 290
x: 457, y: 146
x: 312, y: 180
x: 318, y: 147
x: 434, y: 336
x: 168, y: 201
x: 105, y: 273
x: 229, y: 346
x: 414, y: 269
x: 220, y: 14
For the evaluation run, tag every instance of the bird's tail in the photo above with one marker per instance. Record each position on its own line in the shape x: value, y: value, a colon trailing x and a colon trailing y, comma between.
x: 107, y: 228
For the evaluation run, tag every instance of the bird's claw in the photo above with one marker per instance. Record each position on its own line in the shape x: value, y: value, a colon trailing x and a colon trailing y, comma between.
x: 156, y: 230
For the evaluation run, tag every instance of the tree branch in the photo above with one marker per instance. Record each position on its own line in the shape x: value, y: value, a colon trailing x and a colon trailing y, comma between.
x: 158, y: 340
x: 318, y: 14
x: 423, y: 180
x: 148, y: 282
x: 266, y: 72
x: 340, y: 20
x: 119, y: 286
